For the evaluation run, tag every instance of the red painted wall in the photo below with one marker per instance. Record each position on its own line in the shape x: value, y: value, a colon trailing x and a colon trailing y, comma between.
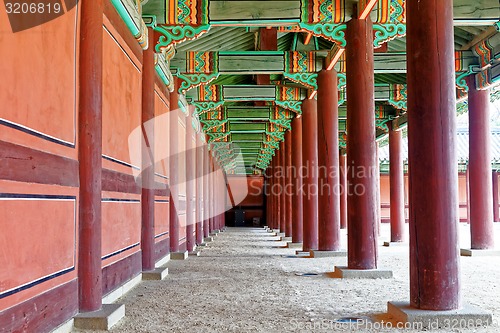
x: 39, y: 177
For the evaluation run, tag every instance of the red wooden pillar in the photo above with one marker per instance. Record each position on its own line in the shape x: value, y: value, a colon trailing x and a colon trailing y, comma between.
x: 206, y: 193
x: 211, y: 192
x: 148, y: 173
x: 396, y: 178
x: 277, y: 189
x: 343, y: 190
x: 480, y: 182
x: 275, y: 192
x: 90, y: 156
x: 495, y: 196
x: 361, y: 147
x: 328, y: 162
x: 199, y: 190
x: 297, y: 200
x: 267, y: 187
x: 377, y: 191
x: 467, y: 194
x: 288, y: 183
x: 433, y: 175
x: 190, y: 186
x: 174, y: 170
x: 282, y: 179
x: 310, y: 174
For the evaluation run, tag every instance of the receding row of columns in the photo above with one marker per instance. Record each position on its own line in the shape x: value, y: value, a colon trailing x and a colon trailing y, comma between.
x: 205, y: 192
x: 324, y: 202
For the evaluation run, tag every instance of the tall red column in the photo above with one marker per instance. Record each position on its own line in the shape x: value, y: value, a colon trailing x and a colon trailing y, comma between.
x: 211, y: 193
x: 90, y: 156
x: 279, y: 190
x: 275, y: 193
x: 343, y: 190
x: 288, y: 183
x: 148, y: 173
x: 283, y: 213
x: 206, y: 193
x: 361, y: 147
x: 199, y: 190
x: 174, y: 170
x: 328, y: 162
x: 480, y: 182
x: 433, y: 175
x: 297, y: 203
x: 310, y: 174
x: 190, y: 186
x: 495, y: 196
x: 396, y: 178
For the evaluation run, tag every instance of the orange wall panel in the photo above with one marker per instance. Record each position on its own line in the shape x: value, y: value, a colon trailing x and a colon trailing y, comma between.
x: 121, y: 229
x: 38, y: 89
x: 38, y: 241
x: 161, y: 142
x: 161, y: 219
x: 121, y: 108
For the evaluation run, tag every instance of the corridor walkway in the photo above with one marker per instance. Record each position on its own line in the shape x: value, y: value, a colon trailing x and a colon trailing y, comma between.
x: 244, y: 282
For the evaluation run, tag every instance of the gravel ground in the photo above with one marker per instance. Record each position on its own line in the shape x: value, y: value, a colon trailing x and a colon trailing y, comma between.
x: 243, y: 282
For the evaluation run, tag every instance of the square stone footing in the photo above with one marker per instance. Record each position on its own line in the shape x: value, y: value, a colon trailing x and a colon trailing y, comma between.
x: 157, y: 274
x: 280, y: 234
x: 272, y: 234
x: 294, y: 245
x: 400, y: 244
x: 179, y: 255
x: 328, y: 254
x: 465, y: 318
x: 213, y: 234
x: 216, y: 231
x: 479, y: 253
x: 208, y: 239
x: 276, y: 230
x: 303, y: 254
x: 201, y: 245
x: 346, y: 273
x: 103, y: 319
x: 194, y: 254
x: 286, y: 239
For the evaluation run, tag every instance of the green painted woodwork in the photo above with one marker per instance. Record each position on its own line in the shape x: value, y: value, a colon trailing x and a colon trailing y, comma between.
x: 332, y: 32
x: 290, y: 105
x: 171, y: 35
x: 254, y: 11
x: 308, y: 80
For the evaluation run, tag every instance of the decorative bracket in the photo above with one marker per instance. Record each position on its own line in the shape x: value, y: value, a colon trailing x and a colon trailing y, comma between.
x: 202, y: 107
x: 290, y: 105
x: 306, y: 79
x: 190, y: 81
x: 175, y: 34
x: 332, y: 32
x: 387, y: 32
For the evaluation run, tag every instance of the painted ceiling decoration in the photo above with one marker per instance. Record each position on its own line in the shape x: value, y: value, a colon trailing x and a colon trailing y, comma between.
x: 245, y: 97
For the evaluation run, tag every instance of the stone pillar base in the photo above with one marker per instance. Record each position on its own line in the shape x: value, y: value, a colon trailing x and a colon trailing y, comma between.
x: 179, y: 255
x: 213, y: 234
x: 286, y: 239
x: 280, y: 234
x: 328, y: 254
x: 389, y: 244
x: 208, y: 239
x: 294, y: 245
x: 465, y: 318
x: 276, y: 230
x: 157, y: 274
x: 346, y: 273
x: 304, y: 254
x: 103, y: 319
x: 479, y: 253
x: 202, y: 245
x: 194, y: 253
